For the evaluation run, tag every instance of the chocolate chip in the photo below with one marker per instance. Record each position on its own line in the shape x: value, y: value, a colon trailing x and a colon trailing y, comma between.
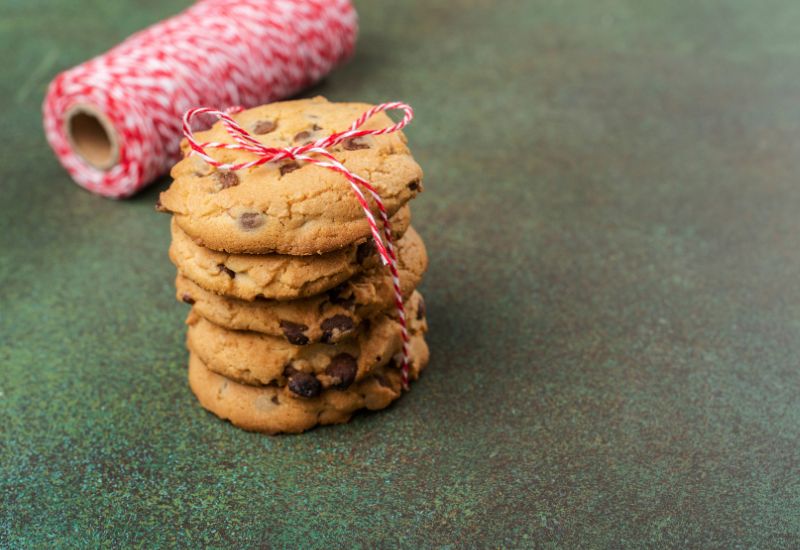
x: 305, y: 135
x: 335, y: 294
x: 414, y: 185
x: 302, y: 136
x: 342, y: 369
x: 336, y: 297
x: 228, y: 271
x: 251, y: 220
x: 264, y: 127
x: 421, y: 309
x: 160, y: 207
x: 275, y: 400
x: 304, y: 384
x: 226, y: 179
x: 354, y: 144
x: 188, y: 299
x: 395, y: 362
x: 294, y: 333
x: 365, y: 250
x: 336, y: 326
x: 290, y: 166
x: 289, y: 370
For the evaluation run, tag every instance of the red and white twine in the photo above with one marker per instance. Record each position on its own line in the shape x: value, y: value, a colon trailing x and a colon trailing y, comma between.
x: 318, y: 152
x: 217, y: 52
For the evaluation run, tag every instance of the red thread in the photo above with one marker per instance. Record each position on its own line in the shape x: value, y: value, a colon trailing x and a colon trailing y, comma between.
x: 317, y: 153
x: 217, y: 52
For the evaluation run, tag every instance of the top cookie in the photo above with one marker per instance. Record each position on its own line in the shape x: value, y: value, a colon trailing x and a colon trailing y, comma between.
x: 290, y: 207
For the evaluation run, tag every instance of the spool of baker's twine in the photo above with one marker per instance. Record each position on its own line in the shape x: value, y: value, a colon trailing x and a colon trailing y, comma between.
x: 114, y: 122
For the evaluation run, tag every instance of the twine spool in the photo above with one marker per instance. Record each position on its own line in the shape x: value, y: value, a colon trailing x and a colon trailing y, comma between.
x: 114, y: 122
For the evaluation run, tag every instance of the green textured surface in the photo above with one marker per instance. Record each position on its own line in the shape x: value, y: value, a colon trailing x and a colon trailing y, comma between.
x: 614, y: 297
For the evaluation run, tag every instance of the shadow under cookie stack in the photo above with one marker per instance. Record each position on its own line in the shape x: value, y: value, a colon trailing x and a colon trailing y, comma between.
x: 293, y: 321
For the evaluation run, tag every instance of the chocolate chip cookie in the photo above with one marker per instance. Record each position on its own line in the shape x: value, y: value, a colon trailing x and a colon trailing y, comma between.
x: 274, y: 276
x: 290, y: 207
x: 256, y: 359
x: 268, y: 409
x: 326, y: 317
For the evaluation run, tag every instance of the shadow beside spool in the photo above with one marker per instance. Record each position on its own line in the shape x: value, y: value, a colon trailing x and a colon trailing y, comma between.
x: 92, y: 136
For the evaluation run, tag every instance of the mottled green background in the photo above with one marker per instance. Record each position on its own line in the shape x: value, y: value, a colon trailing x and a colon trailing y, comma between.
x: 614, y: 297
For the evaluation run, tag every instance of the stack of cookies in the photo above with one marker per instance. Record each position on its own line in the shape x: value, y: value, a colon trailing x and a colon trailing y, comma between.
x: 293, y: 320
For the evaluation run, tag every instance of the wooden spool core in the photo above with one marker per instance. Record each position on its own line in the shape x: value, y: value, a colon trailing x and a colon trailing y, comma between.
x: 92, y: 136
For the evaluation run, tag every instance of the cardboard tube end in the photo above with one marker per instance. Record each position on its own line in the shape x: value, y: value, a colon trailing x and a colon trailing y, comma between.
x: 92, y: 136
